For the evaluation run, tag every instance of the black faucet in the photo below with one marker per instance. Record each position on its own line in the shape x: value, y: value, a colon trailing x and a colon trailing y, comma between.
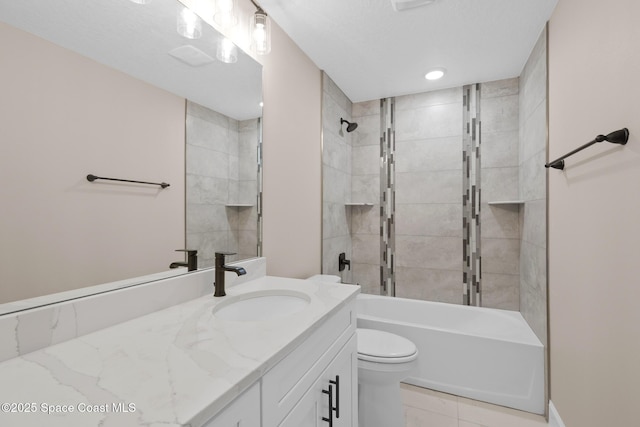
x: 220, y: 269
x: 192, y: 260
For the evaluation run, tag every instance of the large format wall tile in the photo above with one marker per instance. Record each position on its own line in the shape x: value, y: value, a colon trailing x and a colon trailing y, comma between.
x: 499, y: 184
x: 500, y: 221
x: 365, y: 219
x: 533, y: 143
x: 429, y: 284
x: 499, y: 88
x: 429, y: 187
x: 500, y: 149
x: 429, y: 122
x: 367, y: 276
x: 335, y: 185
x: 335, y: 220
x: 444, y: 253
x: 500, y: 256
x: 428, y: 99
x: 500, y: 114
x: 336, y: 177
x: 434, y: 219
x: 368, y: 132
x: 501, y: 291
x: 365, y: 160
x: 429, y: 154
x: 365, y: 189
x: 366, y: 248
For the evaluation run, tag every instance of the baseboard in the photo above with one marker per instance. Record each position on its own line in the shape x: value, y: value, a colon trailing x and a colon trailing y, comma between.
x: 554, y: 416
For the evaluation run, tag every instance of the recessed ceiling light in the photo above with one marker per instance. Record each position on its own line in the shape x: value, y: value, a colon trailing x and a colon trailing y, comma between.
x: 400, y: 5
x: 435, y: 74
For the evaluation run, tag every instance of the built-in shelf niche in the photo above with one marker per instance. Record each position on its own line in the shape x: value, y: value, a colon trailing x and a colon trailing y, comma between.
x: 507, y: 202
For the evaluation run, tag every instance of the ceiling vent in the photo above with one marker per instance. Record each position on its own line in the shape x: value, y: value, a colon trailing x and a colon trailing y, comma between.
x: 191, y: 55
x: 400, y: 5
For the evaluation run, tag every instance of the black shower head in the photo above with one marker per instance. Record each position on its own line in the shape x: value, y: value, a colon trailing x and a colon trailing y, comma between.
x: 350, y: 126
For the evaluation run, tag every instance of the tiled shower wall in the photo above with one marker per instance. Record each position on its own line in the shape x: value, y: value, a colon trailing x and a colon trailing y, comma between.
x: 428, y: 185
x: 499, y: 224
x: 429, y: 196
x: 533, y: 143
x: 336, y: 179
x: 365, y: 188
x: 221, y: 170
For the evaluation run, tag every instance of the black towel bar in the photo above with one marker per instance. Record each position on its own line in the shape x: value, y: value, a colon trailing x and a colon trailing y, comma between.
x: 92, y: 178
x: 618, y: 137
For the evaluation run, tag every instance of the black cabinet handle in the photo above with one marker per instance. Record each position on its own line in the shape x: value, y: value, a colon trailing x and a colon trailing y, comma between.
x: 330, y: 393
x: 337, y: 384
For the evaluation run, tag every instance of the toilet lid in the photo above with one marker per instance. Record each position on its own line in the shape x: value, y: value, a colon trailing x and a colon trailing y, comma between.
x: 374, y: 344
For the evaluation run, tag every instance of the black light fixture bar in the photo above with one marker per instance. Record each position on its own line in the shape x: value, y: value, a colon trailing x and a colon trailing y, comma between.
x: 618, y: 137
x: 92, y: 178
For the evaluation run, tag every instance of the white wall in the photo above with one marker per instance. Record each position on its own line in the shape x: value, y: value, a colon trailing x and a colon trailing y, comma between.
x: 594, y: 211
x: 64, y: 116
x: 292, y: 86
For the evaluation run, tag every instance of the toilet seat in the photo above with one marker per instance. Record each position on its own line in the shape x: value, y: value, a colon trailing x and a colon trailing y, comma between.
x: 384, y: 347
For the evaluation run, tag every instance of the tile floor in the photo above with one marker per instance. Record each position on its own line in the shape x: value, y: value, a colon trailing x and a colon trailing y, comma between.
x: 428, y: 408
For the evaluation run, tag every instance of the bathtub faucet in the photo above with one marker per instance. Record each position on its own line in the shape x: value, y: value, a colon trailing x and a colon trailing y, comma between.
x: 220, y: 268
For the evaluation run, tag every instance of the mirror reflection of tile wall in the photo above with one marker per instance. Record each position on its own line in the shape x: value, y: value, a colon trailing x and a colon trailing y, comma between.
x: 221, y: 185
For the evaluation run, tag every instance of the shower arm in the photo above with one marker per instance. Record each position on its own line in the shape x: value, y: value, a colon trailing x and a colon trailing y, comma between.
x: 618, y: 137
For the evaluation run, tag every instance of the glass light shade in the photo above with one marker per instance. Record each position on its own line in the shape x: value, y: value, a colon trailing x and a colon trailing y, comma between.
x: 189, y: 24
x: 226, y: 51
x: 260, y: 28
x: 141, y: 1
x: 225, y: 13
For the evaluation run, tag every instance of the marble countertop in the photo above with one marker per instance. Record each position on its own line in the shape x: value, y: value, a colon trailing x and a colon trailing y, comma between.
x: 174, y: 367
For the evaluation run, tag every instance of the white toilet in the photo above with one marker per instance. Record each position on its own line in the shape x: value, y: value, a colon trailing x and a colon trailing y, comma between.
x: 384, y: 359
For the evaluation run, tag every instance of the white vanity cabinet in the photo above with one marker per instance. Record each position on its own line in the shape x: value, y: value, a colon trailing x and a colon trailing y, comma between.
x: 319, y: 374
x: 330, y: 402
x: 244, y: 411
x: 292, y: 391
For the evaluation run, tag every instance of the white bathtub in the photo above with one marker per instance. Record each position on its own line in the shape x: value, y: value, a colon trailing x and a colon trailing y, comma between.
x: 480, y: 353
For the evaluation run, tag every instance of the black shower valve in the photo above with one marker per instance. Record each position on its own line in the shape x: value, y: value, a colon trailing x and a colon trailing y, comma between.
x: 343, y: 262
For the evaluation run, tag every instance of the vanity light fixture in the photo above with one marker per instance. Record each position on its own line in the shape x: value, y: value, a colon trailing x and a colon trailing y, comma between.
x: 225, y: 13
x: 189, y: 24
x: 226, y: 52
x: 435, y: 74
x: 260, y: 31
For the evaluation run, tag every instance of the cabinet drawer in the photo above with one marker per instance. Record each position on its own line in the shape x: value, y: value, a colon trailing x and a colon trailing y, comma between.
x: 288, y: 381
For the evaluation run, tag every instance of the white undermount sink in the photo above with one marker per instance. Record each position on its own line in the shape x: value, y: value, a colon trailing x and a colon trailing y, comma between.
x: 261, y: 305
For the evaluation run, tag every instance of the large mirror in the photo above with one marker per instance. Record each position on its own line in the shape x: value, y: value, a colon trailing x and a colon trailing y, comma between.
x: 109, y: 87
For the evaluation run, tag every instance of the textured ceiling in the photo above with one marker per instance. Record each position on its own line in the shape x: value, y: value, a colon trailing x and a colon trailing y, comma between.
x: 372, y: 52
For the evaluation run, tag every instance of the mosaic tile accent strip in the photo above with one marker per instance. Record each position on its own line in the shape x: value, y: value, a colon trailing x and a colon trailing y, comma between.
x: 471, y: 197
x: 259, y: 197
x: 387, y: 196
